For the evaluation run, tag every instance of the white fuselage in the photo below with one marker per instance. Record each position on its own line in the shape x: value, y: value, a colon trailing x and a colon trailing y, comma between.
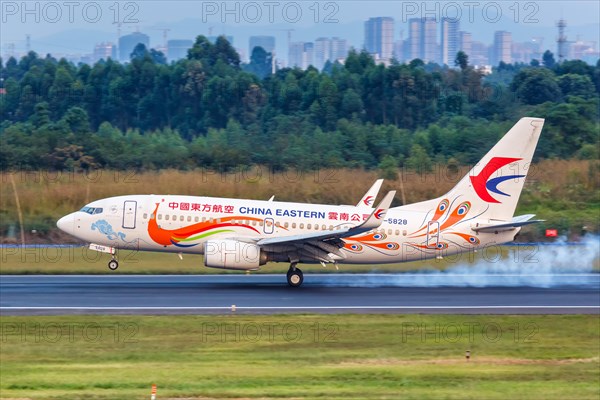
x: 183, y: 224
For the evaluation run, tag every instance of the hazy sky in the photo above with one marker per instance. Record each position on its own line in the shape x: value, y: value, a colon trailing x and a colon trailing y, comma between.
x: 95, y: 20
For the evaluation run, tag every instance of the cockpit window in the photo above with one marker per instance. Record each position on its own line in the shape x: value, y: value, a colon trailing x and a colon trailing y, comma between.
x: 92, y: 210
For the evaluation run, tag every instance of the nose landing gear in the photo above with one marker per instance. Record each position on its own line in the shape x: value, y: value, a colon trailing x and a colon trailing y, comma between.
x: 113, y: 264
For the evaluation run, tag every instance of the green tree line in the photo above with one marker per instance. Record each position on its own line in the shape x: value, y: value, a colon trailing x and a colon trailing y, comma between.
x: 210, y: 109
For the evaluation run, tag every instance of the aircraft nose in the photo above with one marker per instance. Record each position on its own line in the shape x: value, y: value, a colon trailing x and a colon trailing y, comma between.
x: 66, y: 224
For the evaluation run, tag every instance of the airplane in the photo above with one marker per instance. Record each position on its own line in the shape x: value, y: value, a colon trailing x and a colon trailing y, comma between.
x: 246, y: 234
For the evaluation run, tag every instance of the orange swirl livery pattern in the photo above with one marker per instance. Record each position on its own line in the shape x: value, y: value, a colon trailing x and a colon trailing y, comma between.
x: 373, y: 240
x: 439, y: 212
x: 201, y: 230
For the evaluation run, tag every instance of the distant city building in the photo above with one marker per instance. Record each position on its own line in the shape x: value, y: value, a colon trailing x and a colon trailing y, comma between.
x: 326, y: 49
x: 128, y: 42
x: 449, y: 41
x: 178, y: 48
x: 322, y: 52
x: 399, y: 50
x: 581, y: 50
x: 429, y: 46
x: 421, y: 42
x: 527, y: 51
x: 295, y: 54
x: 502, y: 48
x: 415, y: 34
x: 339, y: 49
x: 465, y: 41
x: 379, y: 37
x: 301, y: 54
x: 308, y: 56
x: 479, y: 54
x: 266, y: 42
x: 104, y: 51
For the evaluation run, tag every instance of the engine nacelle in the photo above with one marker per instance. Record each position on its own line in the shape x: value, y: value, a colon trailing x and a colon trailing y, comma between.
x: 233, y: 254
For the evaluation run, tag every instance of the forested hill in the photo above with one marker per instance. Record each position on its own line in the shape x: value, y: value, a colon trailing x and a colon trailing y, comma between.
x: 210, y: 110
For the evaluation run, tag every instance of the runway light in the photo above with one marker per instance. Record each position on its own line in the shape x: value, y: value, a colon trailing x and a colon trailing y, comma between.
x: 468, y: 355
x: 233, y: 307
x: 153, y: 394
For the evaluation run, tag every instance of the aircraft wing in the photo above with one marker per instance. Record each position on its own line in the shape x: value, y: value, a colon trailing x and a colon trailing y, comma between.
x: 374, y: 221
x: 369, y: 198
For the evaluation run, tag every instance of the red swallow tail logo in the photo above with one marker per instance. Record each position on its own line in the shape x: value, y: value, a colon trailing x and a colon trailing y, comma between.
x: 368, y: 200
x: 380, y: 213
x: 482, y: 183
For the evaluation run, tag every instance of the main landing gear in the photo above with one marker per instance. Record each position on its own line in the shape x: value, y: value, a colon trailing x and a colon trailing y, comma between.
x: 294, y: 276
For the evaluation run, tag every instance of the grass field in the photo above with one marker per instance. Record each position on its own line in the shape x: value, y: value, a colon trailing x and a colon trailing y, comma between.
x: 305, y: 356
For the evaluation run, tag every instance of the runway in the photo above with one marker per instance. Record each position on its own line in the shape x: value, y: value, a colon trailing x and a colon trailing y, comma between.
x: 269, y: 294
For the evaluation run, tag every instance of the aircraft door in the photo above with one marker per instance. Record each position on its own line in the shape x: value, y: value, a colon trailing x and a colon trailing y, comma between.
x: 433, y: 234
x: 129, y: 213
x: 269, y: 225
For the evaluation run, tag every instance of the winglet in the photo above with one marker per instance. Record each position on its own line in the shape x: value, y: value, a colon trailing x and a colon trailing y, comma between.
x: 368, y: 199
x: 378, y: 214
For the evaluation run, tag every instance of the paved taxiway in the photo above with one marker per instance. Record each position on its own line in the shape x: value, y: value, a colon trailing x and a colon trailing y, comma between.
x: 265, y: 294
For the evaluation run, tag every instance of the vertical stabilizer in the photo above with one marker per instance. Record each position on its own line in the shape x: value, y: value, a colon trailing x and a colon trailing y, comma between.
x: 492, y: 187
x: 495, y: 183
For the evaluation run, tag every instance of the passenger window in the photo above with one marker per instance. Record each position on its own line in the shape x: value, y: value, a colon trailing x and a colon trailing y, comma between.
x: 397, y: 232
x: 316, y: 227
x: 301, y: 226
x: 159, y: 216
x: 260, y: 223
x: 189, y: 218
x: 145, y: 216
x: 330, y: 227
x: 181, y: 218
x: 308, y: 226
x: 403, y: 233
x: 166, y: 217
x: 293, y: 225
x: 203, y: 219
x: 196, y: 218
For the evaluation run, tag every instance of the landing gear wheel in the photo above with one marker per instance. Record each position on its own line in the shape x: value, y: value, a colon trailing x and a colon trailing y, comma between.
x: 295, y: 277
x: 113, y: 264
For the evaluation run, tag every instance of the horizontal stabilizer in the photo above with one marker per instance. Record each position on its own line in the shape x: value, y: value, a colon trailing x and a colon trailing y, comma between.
x: 516, y: 222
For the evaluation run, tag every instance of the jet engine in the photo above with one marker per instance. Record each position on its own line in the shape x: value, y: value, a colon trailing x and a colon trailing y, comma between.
x: 233, y: 254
